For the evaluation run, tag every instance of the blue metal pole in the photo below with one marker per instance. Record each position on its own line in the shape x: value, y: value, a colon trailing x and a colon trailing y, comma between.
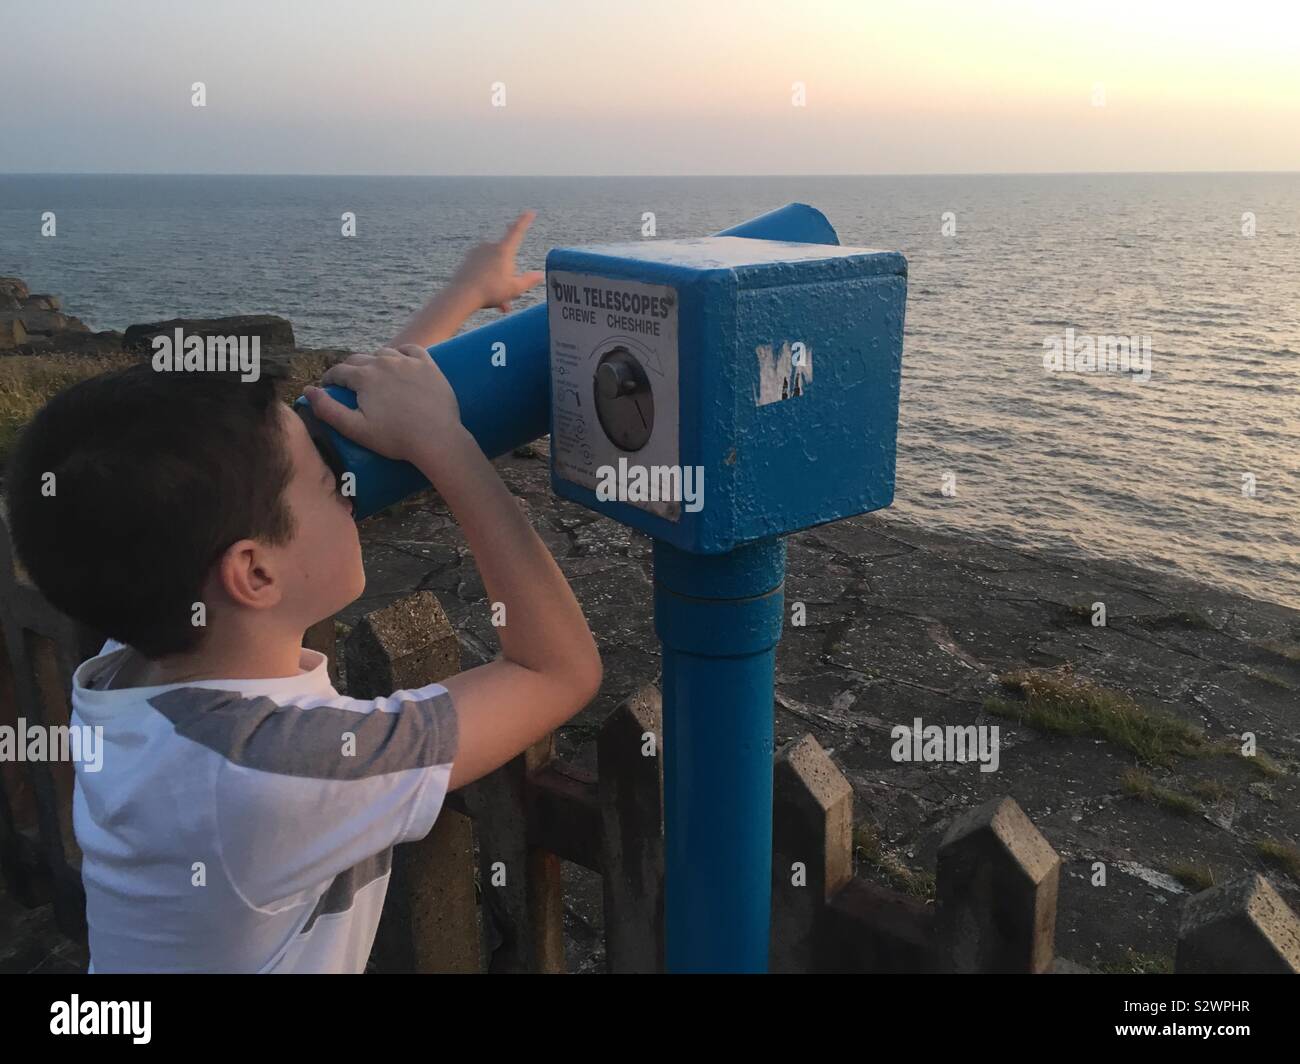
x: 507, y: 405
x: 719, y: 618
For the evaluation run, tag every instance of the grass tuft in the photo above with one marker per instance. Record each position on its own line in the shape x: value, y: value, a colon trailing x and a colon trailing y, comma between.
x: 1270, y: 678
x: 1211, y: 790
x: 1055, y: 700
x: 868, y: 848
x: 1286, y: 651
x: 1194, y: 877
x: 1139, y: 785
x: 1280, y: 854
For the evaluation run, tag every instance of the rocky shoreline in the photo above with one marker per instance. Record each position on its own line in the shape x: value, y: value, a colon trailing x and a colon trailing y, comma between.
x: 44, y: 350
x: 30, y: 323
x: 34, y: 324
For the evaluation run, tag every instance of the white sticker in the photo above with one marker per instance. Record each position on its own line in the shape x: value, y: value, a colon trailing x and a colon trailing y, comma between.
x: 783, y: 375
x: 632, y: 327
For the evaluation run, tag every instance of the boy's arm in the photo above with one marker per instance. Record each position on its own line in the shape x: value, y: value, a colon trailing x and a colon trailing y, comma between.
x: 486, y: 278
x: 550, y: 667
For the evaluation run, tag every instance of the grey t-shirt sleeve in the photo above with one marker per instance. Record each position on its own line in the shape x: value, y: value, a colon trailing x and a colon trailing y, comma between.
x: 307, y: 790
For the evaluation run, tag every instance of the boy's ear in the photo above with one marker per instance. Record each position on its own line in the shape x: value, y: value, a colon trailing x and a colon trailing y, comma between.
x: 246, y: 574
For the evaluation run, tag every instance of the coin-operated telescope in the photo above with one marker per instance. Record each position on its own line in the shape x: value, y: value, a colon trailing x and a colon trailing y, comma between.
x: 717, y: 394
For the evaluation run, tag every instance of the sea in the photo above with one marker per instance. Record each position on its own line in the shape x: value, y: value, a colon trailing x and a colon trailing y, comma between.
x: 1175, y: 447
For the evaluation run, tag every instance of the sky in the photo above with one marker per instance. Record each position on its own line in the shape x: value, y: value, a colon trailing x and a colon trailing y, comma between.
x: 663, y: 87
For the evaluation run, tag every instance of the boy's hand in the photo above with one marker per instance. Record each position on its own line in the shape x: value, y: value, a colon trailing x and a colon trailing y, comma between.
x: 405, y: 407
x: 486, y: 278
x: 488, y: 270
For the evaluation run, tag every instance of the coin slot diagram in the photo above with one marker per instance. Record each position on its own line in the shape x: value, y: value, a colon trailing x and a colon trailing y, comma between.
x: 625, y: 404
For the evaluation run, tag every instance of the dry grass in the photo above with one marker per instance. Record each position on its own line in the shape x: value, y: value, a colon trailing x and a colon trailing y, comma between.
x: 306, y: 367
x: 1280, y: 854
x: 1270, y: 678
x: 1193, y: 876
x: 1188, y: 618
x: 1262, y: 764
x: 868, y: 848
x: 1055, y: 700
x: 28, y: 382
x: 1211, y: 790
x: 1286, y: 651
x: 1141, y: 786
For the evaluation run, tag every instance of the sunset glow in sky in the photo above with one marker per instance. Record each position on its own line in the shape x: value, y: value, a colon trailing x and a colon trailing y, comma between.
x: 669, y: 87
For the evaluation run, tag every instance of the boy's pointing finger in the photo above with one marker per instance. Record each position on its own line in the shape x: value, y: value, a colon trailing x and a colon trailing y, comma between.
x: 515, y: 234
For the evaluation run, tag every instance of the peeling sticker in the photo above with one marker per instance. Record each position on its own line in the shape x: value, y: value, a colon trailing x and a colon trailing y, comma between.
x: 783, y: 376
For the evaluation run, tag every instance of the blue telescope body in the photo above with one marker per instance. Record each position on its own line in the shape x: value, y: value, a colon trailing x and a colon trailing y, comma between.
x: 505, y: 406
x: 719, y: 394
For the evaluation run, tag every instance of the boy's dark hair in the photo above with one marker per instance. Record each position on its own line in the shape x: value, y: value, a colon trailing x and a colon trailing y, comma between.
x: 155, y: 475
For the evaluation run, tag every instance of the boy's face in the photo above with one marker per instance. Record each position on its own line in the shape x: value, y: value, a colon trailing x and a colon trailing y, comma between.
x: 322, y: 563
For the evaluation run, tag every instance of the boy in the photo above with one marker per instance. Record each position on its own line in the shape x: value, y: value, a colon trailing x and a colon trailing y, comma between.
x: 245, y: 813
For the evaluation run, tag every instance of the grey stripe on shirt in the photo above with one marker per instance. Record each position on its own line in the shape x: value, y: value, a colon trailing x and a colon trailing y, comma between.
x: 259, y: 733
x: 339, y: 894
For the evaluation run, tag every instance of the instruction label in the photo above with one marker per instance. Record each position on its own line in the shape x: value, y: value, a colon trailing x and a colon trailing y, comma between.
x: 591, y: 316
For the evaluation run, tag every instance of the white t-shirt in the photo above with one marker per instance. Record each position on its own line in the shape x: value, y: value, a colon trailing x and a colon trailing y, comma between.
x: 248, y: 825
